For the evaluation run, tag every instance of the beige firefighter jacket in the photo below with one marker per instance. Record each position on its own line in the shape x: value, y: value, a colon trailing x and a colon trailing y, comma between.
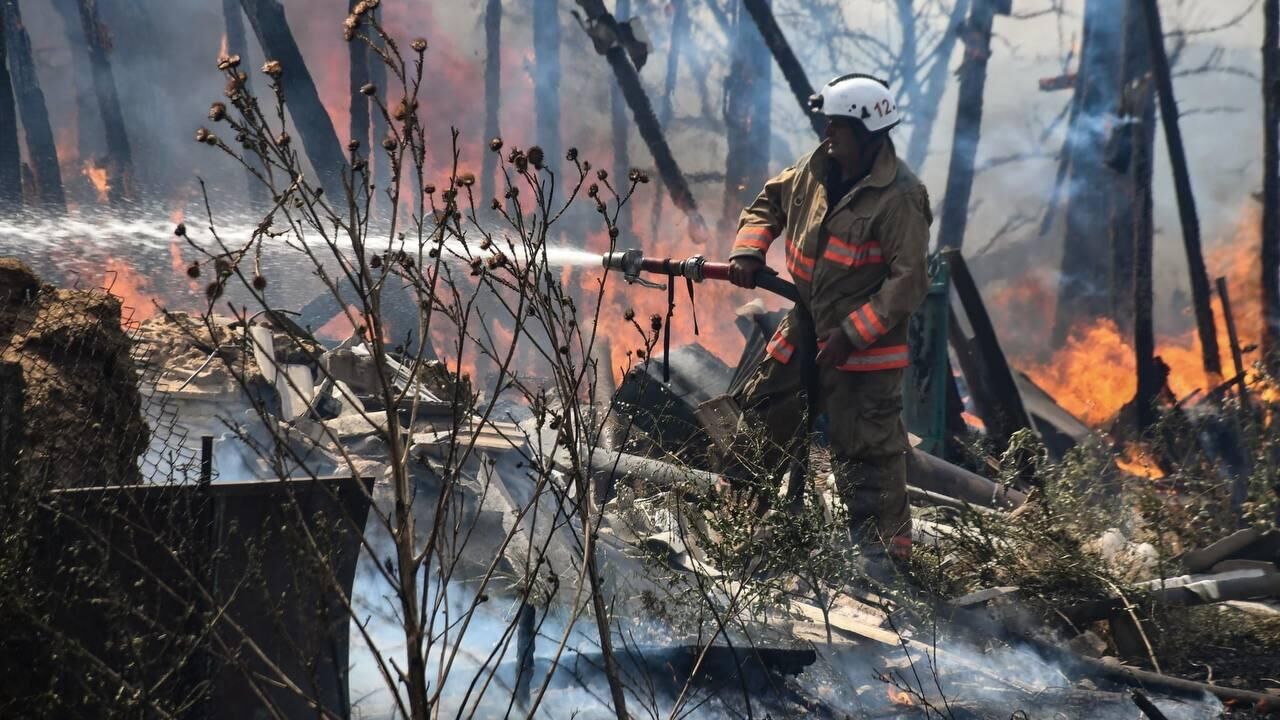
x: 864, y: 269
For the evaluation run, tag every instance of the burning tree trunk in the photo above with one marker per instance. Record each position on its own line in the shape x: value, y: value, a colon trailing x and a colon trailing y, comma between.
x: 319, y: 139
x: 604, y: 31
x: 1138, y: 100
x: 97, y: 42
x: 925, y: 104
x: 1091, y: 184
x: 238, y: 44
x: 679, y: 27
x: 41, y: 148
x: 749, y: 96
x: 546, y: 77
x: 786, y: 59
x: 1271, y: 183
x: 492, y: 92
x: 973, y: 81
x: 10, y: 157
x: 1136, y: 104
x: 1182, y: 187
x: 621, y: 128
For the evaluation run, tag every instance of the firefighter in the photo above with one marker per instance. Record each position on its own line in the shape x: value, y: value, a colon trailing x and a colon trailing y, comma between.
x: 855, y: 226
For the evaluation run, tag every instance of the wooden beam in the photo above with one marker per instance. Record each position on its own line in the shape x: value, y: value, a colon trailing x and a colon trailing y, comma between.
x: 492, y: 95
x: 1182, y: 187
x: 976, y: 37
x: 787, y: 61
x: 319, y: 139
x: 599, y: 22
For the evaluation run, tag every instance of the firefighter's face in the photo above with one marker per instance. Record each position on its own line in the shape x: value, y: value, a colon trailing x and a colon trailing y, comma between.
x: 845, y: 142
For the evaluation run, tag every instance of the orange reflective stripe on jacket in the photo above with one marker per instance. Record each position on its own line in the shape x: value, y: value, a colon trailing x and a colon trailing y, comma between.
x: 799, y: 265
x: 754, y: 237
x: 867, y: 323
x: 779, y: 349
x: 891, y: 357
x: 848, y: 255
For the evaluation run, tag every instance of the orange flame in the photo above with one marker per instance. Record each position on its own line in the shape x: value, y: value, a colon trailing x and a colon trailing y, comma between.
x: 1136, y: 461
x: 900, y: 697
x: 98, y: 176
x: 1094, y: 374
x: 133, y: 288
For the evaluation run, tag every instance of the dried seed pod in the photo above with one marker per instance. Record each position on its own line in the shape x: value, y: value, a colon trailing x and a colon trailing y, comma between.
x: 640, y: 353
x: 571, y: 155
x: 644, y: 178
x: 429, y: 189
x: 655, y: 322
x: 283, y: 139
x: 213, y: 290
x: 375, y: 262
x: 389, y: 144
x: 259, y: 283
x: 495, y: 144
x: 536, y: 156
x: 586, y: 166
x: 486, y: 243
x: 419, y: 45
x: 193, y: 270
x: 273, y: 68
x: 368, y: 89
x: 522, y: 164
x: 353, y: 145
x: 217, y: 111
x: 634, y: 175
x: 400, y: 111
x: 180, y: 230
x: 593, y: 190
x: 202, y: 135
x: 495, y: 205
x: 613, y: 232
x: 512, y: 193
x: 466, y: 179
x: 628, y: 314
x: 602, y: 174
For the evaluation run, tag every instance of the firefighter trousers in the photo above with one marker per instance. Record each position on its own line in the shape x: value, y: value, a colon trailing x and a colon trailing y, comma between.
x: 868, y: 443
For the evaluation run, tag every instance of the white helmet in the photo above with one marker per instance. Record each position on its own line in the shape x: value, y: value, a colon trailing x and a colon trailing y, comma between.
x: 861, y: 97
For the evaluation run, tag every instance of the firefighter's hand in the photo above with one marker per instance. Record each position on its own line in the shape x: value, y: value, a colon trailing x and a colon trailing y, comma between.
x: 743, y: 269
x: 835, y: 349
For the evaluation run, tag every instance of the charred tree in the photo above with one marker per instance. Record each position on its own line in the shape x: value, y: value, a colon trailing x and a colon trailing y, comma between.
x: 546, y: 77
x: 679, y: 29
x: 621, y: 132
x: 777, y: 43
x: 748, y: 96
x: 1182, y: 187
x: 90, y: 142
x: 605, y: 34
x: 97, y: 43
x: 492, y: 92
x: 358, y: 77
x: 928, y: 97
x: 41, y: 148
x: 319, y: 139
x: 10, y: 156
x: 238, y: 44
x: 1271, y: 184
x: 378, y: 76
x: 1091, y: 186
x: 968, y: 129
